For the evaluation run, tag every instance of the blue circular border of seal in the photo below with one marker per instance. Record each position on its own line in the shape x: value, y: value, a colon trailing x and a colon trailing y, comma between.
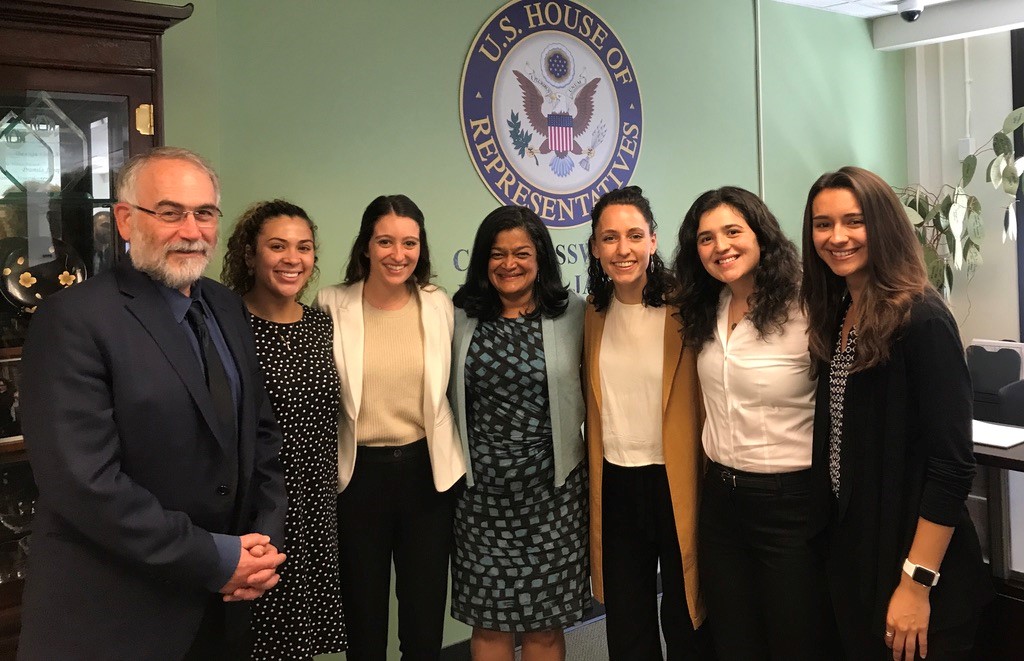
x: 479, y: 66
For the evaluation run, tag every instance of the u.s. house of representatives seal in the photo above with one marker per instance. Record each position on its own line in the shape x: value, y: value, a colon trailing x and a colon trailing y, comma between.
x: 551, y: 109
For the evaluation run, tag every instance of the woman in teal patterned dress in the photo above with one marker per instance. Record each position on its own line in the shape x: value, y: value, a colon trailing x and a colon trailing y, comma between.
x: 521, y: 562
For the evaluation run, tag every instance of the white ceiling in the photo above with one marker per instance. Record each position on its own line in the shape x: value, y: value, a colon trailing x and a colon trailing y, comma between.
x: 860, y: 8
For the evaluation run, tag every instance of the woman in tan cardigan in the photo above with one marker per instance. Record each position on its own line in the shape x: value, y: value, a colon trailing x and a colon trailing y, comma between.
x: 643, y: 435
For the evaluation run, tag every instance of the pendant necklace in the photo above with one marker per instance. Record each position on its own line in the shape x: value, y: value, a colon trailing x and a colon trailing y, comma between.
x: 284, y: 339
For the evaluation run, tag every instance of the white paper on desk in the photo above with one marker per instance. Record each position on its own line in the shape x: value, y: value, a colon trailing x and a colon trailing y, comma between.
x: 998, y: 436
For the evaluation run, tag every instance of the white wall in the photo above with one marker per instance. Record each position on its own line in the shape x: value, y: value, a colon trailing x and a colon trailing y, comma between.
x: 938, y: 94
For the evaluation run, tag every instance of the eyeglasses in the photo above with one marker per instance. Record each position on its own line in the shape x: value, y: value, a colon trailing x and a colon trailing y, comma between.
x: 203, y: 216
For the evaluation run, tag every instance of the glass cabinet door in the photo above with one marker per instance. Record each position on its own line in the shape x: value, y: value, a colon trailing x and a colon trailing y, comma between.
x: 60, y: 152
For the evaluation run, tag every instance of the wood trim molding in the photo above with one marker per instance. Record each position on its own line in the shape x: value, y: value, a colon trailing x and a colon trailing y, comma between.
x: 105, y: 15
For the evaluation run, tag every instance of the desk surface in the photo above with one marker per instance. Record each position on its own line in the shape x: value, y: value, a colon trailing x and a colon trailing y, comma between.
x: 1011, y: 459
x: 989, y: 455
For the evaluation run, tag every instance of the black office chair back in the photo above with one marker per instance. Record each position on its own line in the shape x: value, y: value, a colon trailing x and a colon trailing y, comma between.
x: 1011, y: 404
x: 990, y: 371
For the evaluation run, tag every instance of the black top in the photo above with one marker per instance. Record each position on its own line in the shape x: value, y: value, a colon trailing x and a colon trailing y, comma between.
x: 906, y: 453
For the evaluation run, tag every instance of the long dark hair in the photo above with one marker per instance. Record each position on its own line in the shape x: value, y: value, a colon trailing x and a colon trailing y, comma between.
x: 236, y: 274
x: 359, y: 260
x: 478, y: 297
x: 599, y: 285
x: 776, y: 275
x: 895, y: 271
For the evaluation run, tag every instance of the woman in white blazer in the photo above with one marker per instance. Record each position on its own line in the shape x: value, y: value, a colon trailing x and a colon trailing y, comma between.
x: 399, y: 455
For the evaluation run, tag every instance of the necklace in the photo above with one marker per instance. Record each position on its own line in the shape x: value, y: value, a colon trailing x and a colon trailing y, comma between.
x: 734, y: 324
x: 284, y: 339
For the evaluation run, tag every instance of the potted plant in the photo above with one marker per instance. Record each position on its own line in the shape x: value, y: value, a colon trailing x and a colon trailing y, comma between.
x: 948, y: 222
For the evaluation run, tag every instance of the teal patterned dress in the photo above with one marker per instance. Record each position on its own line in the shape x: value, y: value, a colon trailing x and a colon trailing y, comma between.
x: 521, y: 558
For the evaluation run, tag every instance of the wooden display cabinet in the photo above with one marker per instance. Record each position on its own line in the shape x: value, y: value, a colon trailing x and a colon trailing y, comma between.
x: 80, y: 93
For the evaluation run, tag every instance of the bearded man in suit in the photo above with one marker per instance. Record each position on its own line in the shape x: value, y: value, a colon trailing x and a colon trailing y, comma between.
x: 161, y: 497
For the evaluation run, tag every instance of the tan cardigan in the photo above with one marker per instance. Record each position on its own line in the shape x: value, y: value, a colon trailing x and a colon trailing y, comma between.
x: 682, y: 419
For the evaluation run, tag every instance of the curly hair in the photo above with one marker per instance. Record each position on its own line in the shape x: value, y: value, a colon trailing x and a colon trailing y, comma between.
x: 776, y: 274
x: 895, y: 271
x: 478, y: 297
x: 659, y: 284
x: 236, y: 274
x: 359, y: 259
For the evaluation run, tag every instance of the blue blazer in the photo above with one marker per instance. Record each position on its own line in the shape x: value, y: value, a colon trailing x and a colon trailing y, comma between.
x: 563, y: 355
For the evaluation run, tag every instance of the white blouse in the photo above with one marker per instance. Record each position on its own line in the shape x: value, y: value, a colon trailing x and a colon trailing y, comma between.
x: 758, y: 395
x: 630, y: 367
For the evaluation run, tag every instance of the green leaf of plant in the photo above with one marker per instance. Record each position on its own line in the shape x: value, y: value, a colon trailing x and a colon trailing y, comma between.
x: 970, y: 164
x: 958, y: 212
x: 973, y: 260
x: 1001, y: 143
x: 973, y: 204
x: 935, y: 266
x: 975, y: 227
x: 1014, y: 120
x: 913, y: 216
x: 1010, y: 181
x: 949, y: 278
x: 995, y: 171
x: 950, y: 242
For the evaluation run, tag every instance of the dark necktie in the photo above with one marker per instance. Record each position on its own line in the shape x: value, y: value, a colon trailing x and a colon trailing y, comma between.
x: 216, y: 376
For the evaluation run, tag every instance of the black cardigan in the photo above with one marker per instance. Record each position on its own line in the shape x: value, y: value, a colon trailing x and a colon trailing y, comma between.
x: 906, y: 453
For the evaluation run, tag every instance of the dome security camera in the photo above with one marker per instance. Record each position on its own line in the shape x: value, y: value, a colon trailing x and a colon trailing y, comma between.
x: 910, y: 10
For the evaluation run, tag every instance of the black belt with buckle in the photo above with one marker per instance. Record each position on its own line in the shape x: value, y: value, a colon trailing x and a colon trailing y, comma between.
x: 738, y: 479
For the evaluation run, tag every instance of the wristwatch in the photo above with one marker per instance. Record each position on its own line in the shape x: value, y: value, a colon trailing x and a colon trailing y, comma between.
x: 926, y: 577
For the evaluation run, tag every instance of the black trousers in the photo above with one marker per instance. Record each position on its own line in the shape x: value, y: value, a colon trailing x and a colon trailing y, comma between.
x: 224, y: 632
x: 638, y: 533
x: 763, y: 584
x: 391, y: 511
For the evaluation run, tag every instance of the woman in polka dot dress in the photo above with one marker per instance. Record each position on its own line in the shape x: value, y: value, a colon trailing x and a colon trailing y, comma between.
x: 270, y: 258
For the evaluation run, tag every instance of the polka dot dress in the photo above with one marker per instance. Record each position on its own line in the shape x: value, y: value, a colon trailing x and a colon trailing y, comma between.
x: 302, y: 616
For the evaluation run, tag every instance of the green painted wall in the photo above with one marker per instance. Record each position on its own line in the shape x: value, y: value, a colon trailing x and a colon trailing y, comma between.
x: 829, y: 101
x: 333, y: 102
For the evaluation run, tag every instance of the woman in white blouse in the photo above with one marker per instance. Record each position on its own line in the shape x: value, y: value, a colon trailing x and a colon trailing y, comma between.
x: 400, y: 460
x: 738, y: 277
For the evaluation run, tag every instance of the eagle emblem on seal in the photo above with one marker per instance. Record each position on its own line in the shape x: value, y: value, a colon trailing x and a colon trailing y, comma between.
x: 549, y: 111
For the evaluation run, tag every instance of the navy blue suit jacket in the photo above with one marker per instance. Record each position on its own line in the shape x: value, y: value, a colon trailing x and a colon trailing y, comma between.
x: 134, y: 473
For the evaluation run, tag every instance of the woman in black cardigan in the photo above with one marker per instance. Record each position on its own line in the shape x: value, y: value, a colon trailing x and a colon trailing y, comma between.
x: 892, y: 439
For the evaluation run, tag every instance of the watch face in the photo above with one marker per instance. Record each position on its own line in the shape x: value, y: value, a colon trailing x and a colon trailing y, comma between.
x: 924, y: 576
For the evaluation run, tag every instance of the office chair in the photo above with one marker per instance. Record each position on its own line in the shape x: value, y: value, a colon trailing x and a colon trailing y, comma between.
x: 990, y: 371
x: 1011, y: 404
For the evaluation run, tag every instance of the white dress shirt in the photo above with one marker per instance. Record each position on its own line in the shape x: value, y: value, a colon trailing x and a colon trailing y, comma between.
x: 631, y: 366
x: 758, y: 395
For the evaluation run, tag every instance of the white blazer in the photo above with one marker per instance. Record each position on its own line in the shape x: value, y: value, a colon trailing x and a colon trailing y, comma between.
x: 344, y: 304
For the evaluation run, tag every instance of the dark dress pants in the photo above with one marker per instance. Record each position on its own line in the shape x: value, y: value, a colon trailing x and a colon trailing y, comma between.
x: 638, y: 532
x: 390, y: 510
x: 224, y: 632
x: 763, y: 584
